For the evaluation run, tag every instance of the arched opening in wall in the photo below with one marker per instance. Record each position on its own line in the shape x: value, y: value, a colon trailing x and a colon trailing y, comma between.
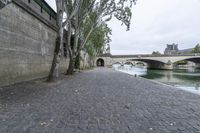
x: 100, y: 62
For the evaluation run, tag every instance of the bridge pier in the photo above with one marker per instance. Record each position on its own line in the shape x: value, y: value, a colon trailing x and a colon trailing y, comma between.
x: 197, y: 65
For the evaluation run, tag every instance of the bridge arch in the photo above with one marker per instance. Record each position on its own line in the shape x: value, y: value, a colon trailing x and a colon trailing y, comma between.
x: 148, y: 61
x: 128, y: 63
x: 115, y: 63
x: 100, y: 62
x: 140, y: 63
x: 192, y: 59
x: 155, y: 64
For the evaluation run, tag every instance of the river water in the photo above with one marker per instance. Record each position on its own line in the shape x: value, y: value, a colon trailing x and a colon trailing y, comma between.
x: 186, y: 79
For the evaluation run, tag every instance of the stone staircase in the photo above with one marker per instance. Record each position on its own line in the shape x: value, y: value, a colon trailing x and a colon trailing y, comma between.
x: 3, y: 3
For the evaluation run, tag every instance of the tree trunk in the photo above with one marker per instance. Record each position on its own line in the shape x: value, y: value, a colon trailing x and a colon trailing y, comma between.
x: 59, y: 42
x: 55, y: 62
x: 52, y: 71
x: 70, y: 70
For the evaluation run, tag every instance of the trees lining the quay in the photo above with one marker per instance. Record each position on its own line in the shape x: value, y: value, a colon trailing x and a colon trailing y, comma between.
x: 86, y: 22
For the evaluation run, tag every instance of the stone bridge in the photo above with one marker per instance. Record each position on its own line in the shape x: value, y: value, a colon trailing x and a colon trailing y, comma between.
x: 152, y: 61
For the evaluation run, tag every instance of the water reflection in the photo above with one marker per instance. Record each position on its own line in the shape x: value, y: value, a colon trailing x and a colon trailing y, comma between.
x: 139, y: 70
x: 187, y: 79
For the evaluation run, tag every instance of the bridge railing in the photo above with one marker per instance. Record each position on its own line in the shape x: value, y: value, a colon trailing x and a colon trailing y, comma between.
x: 40, y: 10
x: 45, y: 6
x: 4, y: 3
x: 150, y: 55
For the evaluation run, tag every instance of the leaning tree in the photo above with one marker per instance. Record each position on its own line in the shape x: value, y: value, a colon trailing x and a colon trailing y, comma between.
x: 94, y: 11
x: 77, y: 13
x: 59, y: 40
x: 62, y: 21
x: 97, y: 41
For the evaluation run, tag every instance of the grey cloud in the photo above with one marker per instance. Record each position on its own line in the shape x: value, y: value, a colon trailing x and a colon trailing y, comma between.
x: 156, y: 23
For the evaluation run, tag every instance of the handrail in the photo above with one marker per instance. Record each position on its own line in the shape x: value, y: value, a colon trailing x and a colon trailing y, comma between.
x: 147, y: 55
x: 150, y: 55
x: 45, y: 6
x: 3, y: 3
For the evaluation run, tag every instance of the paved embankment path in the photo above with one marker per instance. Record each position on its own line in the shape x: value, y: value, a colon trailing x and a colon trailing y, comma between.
x: 98, y: 101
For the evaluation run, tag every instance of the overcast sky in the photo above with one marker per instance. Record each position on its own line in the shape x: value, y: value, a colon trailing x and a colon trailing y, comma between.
x: 156, y: 23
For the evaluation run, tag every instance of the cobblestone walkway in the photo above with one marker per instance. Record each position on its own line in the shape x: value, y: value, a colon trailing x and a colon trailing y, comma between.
x: 98, y: 101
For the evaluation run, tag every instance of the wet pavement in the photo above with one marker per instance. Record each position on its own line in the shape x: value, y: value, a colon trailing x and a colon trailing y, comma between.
x: 98, y: 101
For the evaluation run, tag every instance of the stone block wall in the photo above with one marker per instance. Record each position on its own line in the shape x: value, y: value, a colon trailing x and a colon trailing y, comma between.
x: 26, y: 46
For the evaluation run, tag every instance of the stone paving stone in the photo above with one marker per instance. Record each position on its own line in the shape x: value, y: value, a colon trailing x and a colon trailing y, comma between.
x: 98, y: 101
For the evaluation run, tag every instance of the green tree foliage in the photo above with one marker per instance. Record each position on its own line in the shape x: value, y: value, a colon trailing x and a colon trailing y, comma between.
x: 196, y: 49
x: 97, y: 40
x: 84, y: 16
x: 156, y: 53
x: 82, y: 19
x: 182, y: 62
x: 77, y: 12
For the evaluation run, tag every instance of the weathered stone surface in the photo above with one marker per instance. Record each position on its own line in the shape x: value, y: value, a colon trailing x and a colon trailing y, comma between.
x: 26, y: 44
x: 98, y: 101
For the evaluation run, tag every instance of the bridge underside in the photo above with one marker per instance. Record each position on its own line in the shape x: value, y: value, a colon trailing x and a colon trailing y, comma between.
x: 153, y: 64
x: 195, y: 60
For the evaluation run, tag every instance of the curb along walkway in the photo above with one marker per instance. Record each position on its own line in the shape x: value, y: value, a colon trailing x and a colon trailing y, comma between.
x: 98, y: 101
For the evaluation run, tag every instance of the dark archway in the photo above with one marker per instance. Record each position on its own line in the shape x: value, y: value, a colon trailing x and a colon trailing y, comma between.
x: 151, y: 64
x: 100, y: 62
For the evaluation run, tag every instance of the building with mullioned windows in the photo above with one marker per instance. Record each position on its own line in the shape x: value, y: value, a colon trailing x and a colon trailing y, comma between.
x: 172, y: 49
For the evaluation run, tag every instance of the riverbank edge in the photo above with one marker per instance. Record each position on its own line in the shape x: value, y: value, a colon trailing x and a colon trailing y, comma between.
x: 159, y: 83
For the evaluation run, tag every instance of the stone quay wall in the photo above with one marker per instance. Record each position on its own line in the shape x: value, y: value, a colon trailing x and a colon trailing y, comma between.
x: 27, y: 39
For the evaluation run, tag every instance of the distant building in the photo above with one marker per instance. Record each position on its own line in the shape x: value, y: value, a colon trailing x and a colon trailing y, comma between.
x: 173, y: 49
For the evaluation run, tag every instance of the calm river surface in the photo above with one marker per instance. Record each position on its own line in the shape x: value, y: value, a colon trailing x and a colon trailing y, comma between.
x: 186, y: 79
